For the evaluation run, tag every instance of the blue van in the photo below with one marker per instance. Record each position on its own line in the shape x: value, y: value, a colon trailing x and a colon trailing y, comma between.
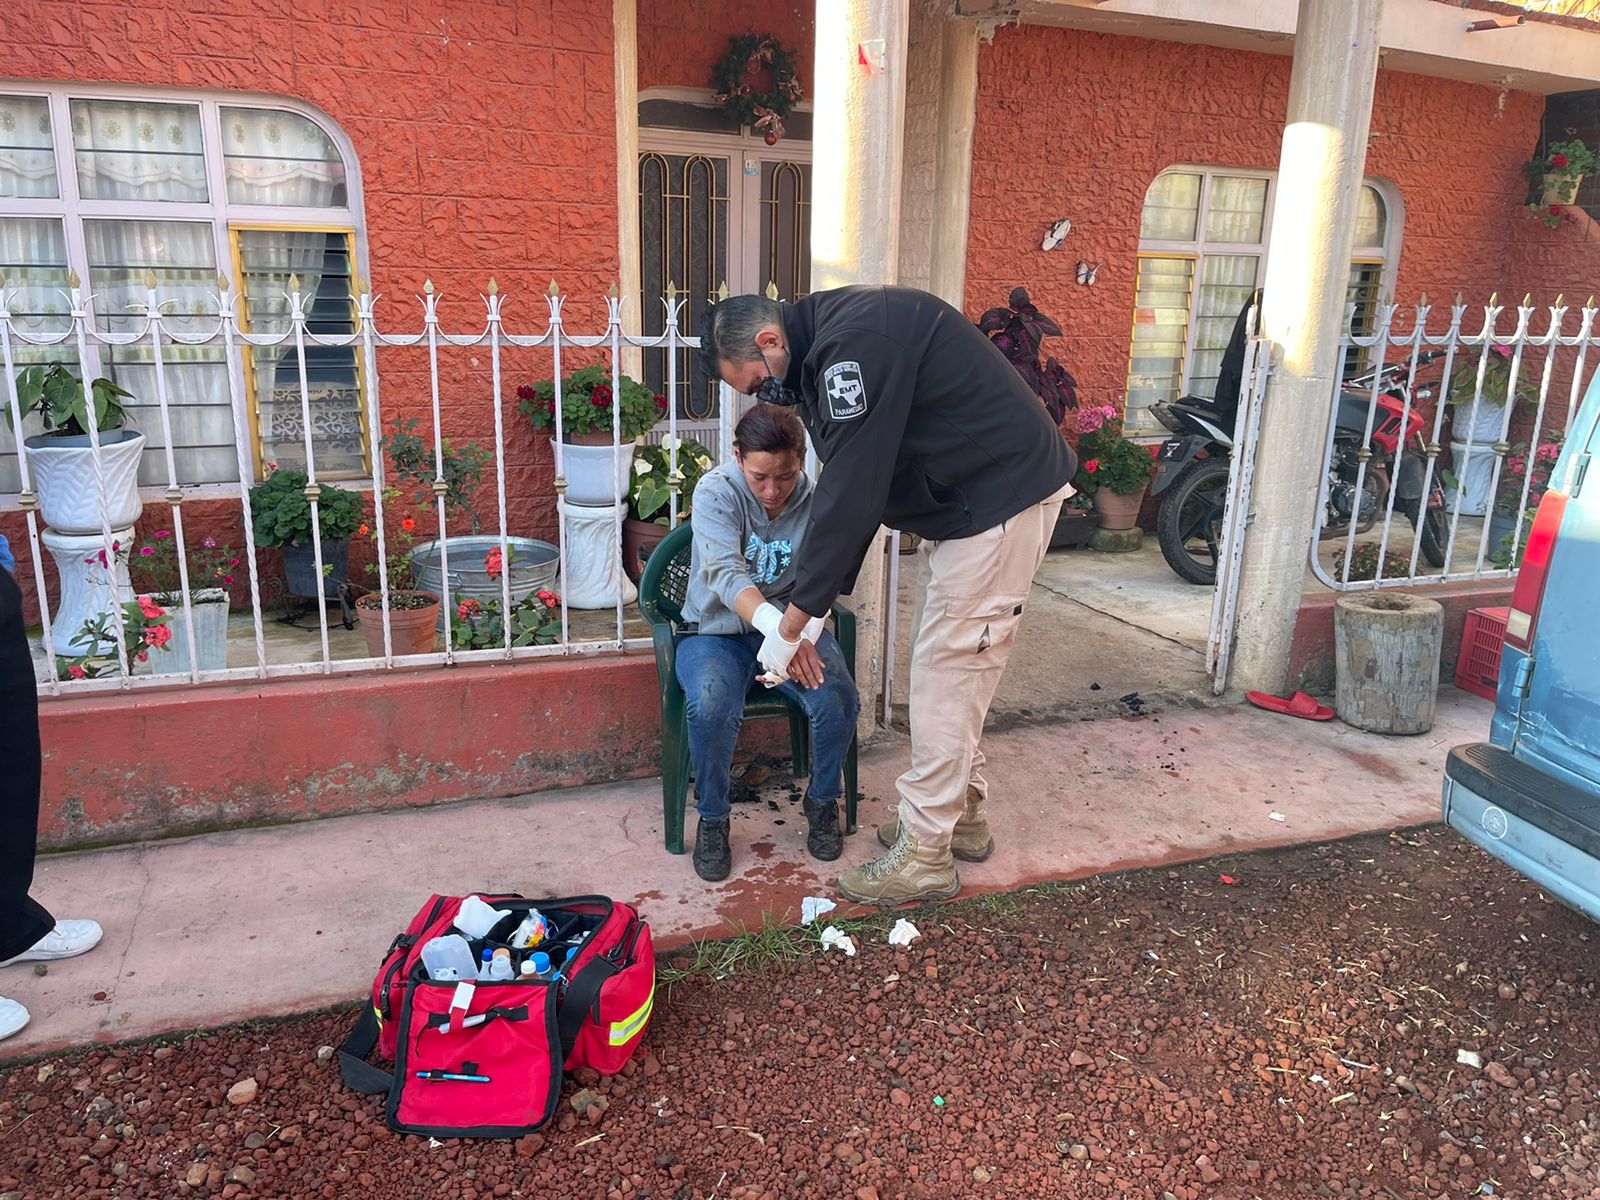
x: 1530, y: 795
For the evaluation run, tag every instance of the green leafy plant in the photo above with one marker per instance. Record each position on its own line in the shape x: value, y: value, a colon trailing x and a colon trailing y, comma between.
x: 145, y: 627
x: 586, y: 404
x: 1535, y: 467
x: 154, y: 567
x: 1496, y: 379
x: 648, y: 489
x: 462, y: 471
x: 1106, y: 459
x: 58, y: 396
x: 1559, y: 170
x: 282, y: 514
x: 479, y: 625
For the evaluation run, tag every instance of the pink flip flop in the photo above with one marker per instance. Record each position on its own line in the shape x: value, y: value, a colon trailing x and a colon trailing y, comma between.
x: 1297, y: 705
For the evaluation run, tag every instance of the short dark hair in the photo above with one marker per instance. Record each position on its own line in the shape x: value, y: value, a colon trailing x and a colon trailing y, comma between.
x: 770, y: 429
x: 728, y: 330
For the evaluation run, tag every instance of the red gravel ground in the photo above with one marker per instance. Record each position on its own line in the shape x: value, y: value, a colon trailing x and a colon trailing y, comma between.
x: 1158, y: 1034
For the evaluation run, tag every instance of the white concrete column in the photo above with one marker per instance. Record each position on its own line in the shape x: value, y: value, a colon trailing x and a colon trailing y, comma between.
x: 858, y: 148
x: 625, y: 61
x: 958, y: 105
x: 1308, y: 267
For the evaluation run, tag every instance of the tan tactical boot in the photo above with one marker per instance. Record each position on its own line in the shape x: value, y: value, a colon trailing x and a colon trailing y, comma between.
x: 970, y: 842
x: 908, y: 872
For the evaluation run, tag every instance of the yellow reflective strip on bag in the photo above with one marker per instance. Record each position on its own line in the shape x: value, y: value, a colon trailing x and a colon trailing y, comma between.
x: 378, y: 1012
x: 623, y: 1031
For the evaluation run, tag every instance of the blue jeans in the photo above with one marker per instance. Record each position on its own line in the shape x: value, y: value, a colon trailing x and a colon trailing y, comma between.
x: 716, y: 671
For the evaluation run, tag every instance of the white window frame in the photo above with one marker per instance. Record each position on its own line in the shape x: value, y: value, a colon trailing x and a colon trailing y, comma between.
x: 223, y: 215
x: 1388, y: 253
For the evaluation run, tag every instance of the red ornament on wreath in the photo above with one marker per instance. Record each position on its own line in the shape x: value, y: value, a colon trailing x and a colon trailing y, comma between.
x: 752, y: 55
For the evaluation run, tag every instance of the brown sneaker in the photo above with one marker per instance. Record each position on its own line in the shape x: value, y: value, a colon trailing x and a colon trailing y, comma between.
x: 970, y: 842
x: 908, y: 872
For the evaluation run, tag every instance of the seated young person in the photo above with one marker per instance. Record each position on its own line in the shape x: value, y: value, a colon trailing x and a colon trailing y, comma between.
x: 749, y: 518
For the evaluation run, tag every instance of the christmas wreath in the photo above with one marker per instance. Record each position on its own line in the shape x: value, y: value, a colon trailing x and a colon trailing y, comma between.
x: 735, y: 79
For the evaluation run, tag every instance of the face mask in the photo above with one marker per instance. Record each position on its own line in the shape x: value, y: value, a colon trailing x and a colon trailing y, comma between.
x: 772, y: 391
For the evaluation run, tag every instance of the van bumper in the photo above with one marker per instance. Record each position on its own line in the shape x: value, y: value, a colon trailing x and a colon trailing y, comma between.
x: 1539, y: 826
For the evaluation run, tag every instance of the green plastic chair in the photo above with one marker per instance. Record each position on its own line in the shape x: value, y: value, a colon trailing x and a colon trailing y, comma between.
x: 661, y: 592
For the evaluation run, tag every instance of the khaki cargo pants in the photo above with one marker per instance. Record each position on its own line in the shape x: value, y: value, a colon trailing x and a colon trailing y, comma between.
x: 968, y: 608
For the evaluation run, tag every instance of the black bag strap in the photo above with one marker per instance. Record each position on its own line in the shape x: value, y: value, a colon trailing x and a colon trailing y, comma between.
x: 583, y: 994
x: 358, y: 1074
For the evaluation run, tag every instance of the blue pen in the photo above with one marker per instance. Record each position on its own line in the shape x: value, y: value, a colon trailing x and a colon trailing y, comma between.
x: 452, y: 1076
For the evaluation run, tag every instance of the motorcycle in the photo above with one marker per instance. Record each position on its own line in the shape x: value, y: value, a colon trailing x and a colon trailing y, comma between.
x: 1192, y: 466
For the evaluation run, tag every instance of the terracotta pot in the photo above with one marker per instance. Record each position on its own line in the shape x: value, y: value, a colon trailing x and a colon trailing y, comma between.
x: 599, y: 437
x: 639, y: 538
x: 411, y: 630
x: 1117, y: 512
x: 1074, y: 527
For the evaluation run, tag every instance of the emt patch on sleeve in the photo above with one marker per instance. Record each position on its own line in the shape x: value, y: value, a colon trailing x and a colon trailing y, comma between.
x: 847, y: 396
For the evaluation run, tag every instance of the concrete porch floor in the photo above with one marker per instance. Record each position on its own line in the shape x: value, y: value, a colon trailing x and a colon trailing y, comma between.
x: 226, y: 926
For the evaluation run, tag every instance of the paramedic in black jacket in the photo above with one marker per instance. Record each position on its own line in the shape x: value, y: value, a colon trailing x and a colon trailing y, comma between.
x: 922, y: 425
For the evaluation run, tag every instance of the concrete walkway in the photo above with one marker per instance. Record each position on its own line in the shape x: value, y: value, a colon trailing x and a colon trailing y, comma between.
x: 266, y: 922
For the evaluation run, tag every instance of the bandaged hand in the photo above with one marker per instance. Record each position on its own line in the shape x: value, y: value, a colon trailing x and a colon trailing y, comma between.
x: 813, y: 629
x: 776, y: 653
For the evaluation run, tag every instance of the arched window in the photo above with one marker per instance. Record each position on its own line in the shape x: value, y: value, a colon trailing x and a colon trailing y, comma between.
x: 1202, y: 251
x: 119, y: 186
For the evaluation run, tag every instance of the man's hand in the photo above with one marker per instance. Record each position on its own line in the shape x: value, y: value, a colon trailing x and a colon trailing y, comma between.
x: 806, y: 666
x: 793, y: 625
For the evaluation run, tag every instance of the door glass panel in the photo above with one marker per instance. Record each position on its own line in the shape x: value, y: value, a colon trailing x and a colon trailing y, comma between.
x: 1226, y: 282
x: 683, y: 226
x: 786, y: 228
x: 1160, y: 327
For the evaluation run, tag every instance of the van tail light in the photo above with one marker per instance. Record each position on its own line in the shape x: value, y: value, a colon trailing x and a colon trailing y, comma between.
x: 1535, y: 569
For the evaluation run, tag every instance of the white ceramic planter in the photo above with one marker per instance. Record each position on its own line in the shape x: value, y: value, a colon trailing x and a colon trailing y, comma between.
x: 210, y: 615
x: 64, y: 476
x: 596, y: 475
x: 1474, y: 473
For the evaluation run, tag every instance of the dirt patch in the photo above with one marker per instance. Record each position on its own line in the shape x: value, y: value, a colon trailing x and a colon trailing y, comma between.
x: 1289, y: 1024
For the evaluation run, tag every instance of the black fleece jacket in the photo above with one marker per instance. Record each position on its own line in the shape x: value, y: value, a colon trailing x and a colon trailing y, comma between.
x: 921, y: 425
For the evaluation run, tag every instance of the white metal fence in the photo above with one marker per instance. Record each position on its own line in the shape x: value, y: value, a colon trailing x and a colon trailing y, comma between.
x: 1393, y: 513
x: 158, y: 329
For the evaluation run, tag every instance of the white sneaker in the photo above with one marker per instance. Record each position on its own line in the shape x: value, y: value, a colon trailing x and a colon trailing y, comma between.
x: 12, y: 1017
x: 67, y: 940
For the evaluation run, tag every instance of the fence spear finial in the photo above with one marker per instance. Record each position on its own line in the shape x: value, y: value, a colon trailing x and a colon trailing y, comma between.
x: 672, y: 290
x: 427, y: 286
x: 772, y: 290
x: 294, y: 284
x: 73, y: 280
x: 554, y: 290
x: 150, y: 281
x: 494, y: 288
x: 722, y: 290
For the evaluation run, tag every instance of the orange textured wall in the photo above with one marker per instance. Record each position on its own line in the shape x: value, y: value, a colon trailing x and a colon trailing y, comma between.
x: 681, y: 42
x: 486, y: 137
x: 1077, y: 125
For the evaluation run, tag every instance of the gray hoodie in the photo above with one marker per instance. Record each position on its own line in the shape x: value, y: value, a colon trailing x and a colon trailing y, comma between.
x: 737, y: 546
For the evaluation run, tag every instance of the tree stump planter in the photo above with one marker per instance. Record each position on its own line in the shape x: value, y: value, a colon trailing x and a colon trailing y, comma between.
x: 1386, y: 660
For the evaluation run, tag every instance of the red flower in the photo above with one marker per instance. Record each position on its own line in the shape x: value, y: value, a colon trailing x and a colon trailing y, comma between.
x: 364, y: 530
x: 1558, y: 160
x: 1556, y: 210
x: 601, y: 396
x: 493, y: 564
x: 407, y: 525
x: 144, y: 656
x: 228, y: 579
x: 77, y: 672
x: 468, y: 608
x: 661, y: 403
x: 1092, y: 465
x: 524, y: 392
x: 157, y: 636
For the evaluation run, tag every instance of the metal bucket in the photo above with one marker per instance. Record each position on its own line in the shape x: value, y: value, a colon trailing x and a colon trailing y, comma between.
x: 533, y: 566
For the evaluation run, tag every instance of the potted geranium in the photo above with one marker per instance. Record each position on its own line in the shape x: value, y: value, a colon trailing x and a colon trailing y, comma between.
x: 650, y: 493
x: 597, y: 472
x: 281, y: 514
x: 413, y: 612
x: 62, y: 457
x: 154, y: 567
x: 1559, y: 172
x: 1522, y: 464
x: 1113, y: 469
x: 535, y: 621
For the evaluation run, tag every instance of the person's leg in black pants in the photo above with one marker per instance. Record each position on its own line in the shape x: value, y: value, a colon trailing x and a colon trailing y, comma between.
x: 23, y: 920
x: 28, y: 933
